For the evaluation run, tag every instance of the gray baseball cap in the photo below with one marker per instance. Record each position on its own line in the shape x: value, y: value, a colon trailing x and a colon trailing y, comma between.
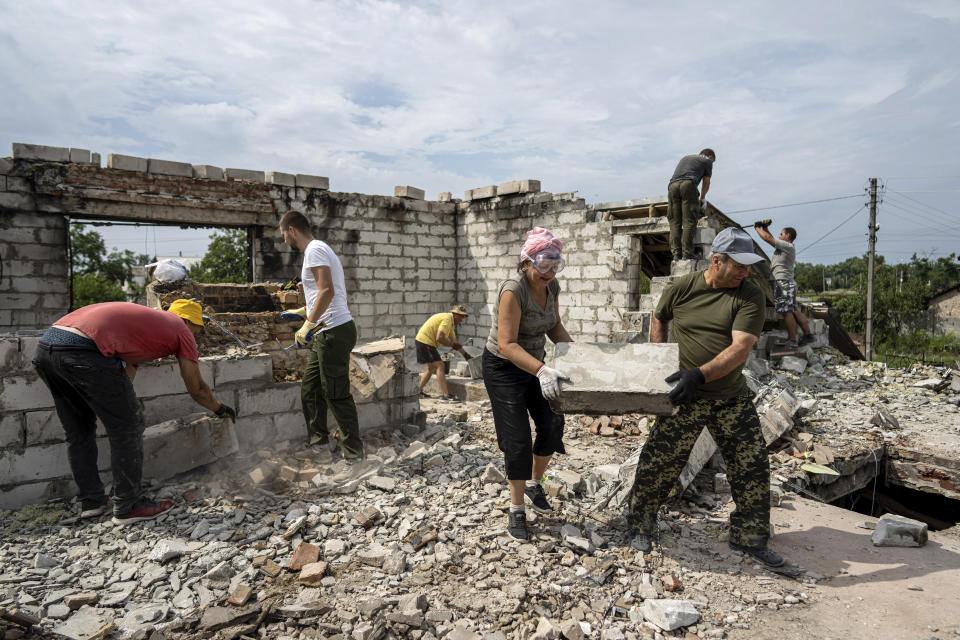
x: 737, y: 244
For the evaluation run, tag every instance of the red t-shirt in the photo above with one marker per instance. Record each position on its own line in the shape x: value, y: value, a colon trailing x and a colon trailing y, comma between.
x: 132, y: 332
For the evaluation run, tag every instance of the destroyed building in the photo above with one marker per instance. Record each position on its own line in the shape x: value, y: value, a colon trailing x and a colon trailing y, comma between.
x: 264, y: 544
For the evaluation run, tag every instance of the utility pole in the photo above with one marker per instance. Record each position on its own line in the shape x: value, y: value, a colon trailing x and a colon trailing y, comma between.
x: 868, y: 336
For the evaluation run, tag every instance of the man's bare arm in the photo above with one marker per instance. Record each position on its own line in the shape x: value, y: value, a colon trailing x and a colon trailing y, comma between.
x: 196, y: 387
x: 704, y: 187
x: 658, y: 329
x: 766, y: 235
x: 728, y: 359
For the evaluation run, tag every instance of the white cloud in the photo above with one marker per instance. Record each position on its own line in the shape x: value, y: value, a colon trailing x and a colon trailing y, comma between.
x: 800, y: 101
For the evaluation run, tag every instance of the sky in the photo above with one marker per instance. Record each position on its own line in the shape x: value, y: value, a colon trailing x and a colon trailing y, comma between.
x: 800, y: 101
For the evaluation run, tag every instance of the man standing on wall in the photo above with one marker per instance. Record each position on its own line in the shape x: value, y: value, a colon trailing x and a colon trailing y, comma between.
x: 784, y: 285
x: 684, y: 204
x: 437, y: 330
x: 88, y: 359
x: 717, y: 317
x: 328, y: 329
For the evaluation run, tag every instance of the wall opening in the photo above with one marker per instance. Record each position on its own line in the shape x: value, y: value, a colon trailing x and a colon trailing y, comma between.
x: 938, y: 511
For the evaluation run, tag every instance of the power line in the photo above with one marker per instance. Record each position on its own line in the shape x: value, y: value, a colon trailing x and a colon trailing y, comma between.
x: 934, y: 223
x: 794, y: 204
x: 848, y: 219
x: 929, y: 206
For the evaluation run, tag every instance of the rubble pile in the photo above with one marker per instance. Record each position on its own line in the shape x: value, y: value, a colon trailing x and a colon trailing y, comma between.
x: 411, y: 543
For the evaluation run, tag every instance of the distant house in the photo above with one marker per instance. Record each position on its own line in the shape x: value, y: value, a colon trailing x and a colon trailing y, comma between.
x: 944, y: 309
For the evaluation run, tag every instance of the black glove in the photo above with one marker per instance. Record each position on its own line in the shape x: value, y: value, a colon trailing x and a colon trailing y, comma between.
x: 688, y: 380
x: 226, y: 412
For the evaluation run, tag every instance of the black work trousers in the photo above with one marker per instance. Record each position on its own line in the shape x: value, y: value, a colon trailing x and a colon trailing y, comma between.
x: 514, y: 394
x: 86, y: 385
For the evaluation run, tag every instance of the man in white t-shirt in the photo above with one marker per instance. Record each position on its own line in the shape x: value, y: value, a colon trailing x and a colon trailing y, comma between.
x: 330, y: 333
x: 784, y: 286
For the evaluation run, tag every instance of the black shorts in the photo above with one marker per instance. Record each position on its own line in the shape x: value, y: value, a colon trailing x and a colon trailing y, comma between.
x: 426, y: 353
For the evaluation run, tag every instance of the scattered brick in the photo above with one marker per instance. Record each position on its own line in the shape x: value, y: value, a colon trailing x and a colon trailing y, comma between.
x: 304, y: 554
x: 367, y: 516
x: 312, y: 573
x: 240, y: 595
x: 271, y: 568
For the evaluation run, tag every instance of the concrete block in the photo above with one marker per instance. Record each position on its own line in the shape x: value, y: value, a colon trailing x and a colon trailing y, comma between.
x: 615, y: 378
x: 6, y: 165
x: 282, y: 179
x: 468, y: 195
x: 792, y: 363
x: 670, y: 614
x: 484, y: 192
x: 704, y: 235
x: 253, y: 431
x: 898, y: 531
x: 258, y: 367
x: 43, y: 427
x: 169, y: 168
x: 245, y: 174
x: 44, y: 462
x: 24, y: 392
x: 518, y: 186
x: 162, y: 408
x: 444, y: 196
x: 11, y: 430
x: 95, y: 159
x: 37, y: 492
x: 292, y: 426
x: 28, y: 349
x: 683, y: 267
x: 312, y: 182
x: 9, y: 355
x: 81, y: 156
x: 703, y: 450
x: 158, y: 379
x: 207, y: 172
x: 179, y: 445
x: 279, y: 398
x: 408, y: 192
x: 126, y: 163
x: 25, y: 151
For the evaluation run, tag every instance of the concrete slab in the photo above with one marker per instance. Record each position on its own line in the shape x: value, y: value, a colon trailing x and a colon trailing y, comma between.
x: 179, y: 445
x: 615, y: 378
x: 169, y: 168
x: 207, y: 172
x: 126, y: 163
x: 483, y: 192
x: 81, y: 156
x: 245, y: 174
x: 283, y: 179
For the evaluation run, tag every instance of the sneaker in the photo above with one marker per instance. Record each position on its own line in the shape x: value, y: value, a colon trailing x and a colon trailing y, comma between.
x: 764, y: 554
x: 143, y: 510
x: 807, y: 339
x: 537, y: 498
x: 425, y: 395
x: 93, y: 508
x: 449, y: 398
x: 517, y: 525
x: 791, y: 344
x: 641, y: 542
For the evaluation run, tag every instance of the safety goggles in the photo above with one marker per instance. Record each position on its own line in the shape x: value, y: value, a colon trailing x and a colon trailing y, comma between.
x: 547, y: 262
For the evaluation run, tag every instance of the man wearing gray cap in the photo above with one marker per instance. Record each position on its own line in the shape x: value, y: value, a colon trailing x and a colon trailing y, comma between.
x: 717, y: 316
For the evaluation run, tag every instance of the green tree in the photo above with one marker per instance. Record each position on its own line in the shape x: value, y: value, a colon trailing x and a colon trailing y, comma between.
x: 98, y: 276
x: 225, y: 259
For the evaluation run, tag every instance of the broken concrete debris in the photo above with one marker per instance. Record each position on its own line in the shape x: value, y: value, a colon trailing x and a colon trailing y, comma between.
x: 897, y: 531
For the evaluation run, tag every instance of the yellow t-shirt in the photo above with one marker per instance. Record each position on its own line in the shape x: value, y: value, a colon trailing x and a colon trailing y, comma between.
x: 438, y: 322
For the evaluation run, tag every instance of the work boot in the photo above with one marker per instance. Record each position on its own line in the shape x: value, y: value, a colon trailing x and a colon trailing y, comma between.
x: 517, y: 525
x: 538, y: 499
x: 641, y: 542
x: 805, y: 340
x: 764, y: 554
x: 321, y: 453
x: 792, y: 344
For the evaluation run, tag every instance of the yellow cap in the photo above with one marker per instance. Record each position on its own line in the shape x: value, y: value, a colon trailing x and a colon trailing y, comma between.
x: 188, y: 310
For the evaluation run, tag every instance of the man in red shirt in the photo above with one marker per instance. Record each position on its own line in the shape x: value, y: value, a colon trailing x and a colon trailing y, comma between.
x: 88, y: 359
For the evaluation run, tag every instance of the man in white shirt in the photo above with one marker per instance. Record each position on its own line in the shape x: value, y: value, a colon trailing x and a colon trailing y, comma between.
x: 330, y: 333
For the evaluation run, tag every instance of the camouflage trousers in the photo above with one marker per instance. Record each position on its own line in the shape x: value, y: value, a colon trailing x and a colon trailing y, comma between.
x: 735, y: 428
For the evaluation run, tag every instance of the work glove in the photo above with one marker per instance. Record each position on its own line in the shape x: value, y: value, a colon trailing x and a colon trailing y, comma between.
x: 226, y: 411
x: 703, y: 206
x: 456, y: 346
x: 304, y: 333
x: 294, y: 314
x: 550, y: 382
x: 688, y: 381
x: 467, y: 356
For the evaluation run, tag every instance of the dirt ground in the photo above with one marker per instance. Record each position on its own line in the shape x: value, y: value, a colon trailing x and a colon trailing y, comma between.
x: 868, y: 593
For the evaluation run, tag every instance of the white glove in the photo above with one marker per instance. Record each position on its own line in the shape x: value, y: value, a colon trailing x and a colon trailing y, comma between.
x: 550, y: 382
x: 703, y: 206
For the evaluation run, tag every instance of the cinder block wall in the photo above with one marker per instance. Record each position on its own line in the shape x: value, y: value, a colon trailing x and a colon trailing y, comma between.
x: 602, y: 268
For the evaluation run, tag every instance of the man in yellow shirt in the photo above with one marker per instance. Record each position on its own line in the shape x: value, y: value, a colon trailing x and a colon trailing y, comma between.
x: 439, y: 329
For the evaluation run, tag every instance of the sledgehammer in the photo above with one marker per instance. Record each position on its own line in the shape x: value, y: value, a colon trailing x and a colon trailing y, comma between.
x: 286, y: 350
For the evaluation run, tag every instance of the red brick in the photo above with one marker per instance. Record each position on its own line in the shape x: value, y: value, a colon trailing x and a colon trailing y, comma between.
x: 304, y: 554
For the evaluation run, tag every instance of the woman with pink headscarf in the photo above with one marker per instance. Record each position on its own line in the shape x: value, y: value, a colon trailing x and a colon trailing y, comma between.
x: 527, y: 312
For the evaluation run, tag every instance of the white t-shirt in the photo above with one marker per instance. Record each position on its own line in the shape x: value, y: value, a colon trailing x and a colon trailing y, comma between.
x: 319, y: 254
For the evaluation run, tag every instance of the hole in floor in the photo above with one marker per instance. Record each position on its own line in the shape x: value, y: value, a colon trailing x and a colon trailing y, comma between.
x: 939, y: 512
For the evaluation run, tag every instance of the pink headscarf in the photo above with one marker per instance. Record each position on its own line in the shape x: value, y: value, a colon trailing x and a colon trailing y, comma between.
x: 539, y: 239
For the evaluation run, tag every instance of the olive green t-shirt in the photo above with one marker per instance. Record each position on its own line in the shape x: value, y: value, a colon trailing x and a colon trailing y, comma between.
x: 703, y: 318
